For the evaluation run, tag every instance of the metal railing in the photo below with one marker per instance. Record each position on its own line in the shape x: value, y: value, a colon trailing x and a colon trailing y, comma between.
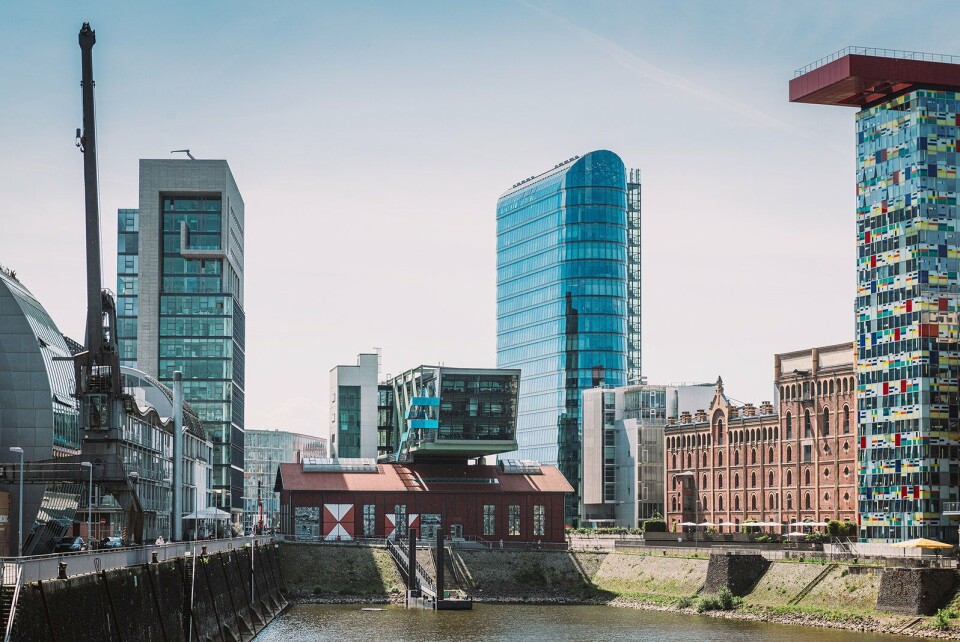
x: 47, y: 567
x: 951, y: 508
x: 882, y: 53
x: 17, y: 582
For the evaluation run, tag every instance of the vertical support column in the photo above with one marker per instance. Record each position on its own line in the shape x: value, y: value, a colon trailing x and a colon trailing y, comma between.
x: 176, y: 519
x: 440, y: 555
x: 412, y: 561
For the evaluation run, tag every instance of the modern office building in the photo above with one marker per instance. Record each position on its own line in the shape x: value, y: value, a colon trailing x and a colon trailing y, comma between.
x: 907, y: 303
x: 728, y: 463
x: 622, y: 457
x: 264, y: 451
x: 354, y: 409
x: 568, y: 298
x: 180, y: 276
x: 453, y: 413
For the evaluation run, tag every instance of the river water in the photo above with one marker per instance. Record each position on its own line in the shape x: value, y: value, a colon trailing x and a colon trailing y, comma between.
x: 526, y: 622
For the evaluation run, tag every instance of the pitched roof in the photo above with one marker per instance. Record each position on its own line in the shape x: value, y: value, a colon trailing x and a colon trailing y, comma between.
x: 393, y: 477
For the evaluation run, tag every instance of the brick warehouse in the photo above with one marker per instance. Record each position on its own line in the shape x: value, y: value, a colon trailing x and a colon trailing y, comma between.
x: 731, y: 462
x: 330, y: 500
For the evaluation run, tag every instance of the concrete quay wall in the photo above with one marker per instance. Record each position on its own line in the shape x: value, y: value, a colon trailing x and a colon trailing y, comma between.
x: 157, y: 602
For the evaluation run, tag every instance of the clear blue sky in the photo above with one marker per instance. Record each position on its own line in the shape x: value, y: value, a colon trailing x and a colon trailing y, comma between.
x: 371, y: 140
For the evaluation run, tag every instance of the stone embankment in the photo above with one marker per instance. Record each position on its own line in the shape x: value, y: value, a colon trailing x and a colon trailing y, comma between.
x: 836, y: 595
x: 225, y: 596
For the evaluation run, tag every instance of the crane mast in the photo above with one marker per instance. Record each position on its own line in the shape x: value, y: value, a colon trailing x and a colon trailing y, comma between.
x: 98, y: 368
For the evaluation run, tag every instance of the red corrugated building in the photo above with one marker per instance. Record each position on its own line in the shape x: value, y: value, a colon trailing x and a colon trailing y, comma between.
x: 323, y: 499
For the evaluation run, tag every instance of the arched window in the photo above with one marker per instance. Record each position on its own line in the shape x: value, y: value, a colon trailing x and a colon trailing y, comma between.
x: 781, y: 393
x: 673, y: 503
x: 806, y: 501
x: 753, y: 456
x: 807, y: 424
x: 720, y: 480
x: 704, y: 481
x: 818, y: 389
x: 720, y: 502
x: 825, y: 426
x: 770, y: 477
x: 720, y: 458
x: 772, y: 502
x: 789, y: 454
x: 806, y: 477
x: 844, y: 385
x: 719, y: 432
x: 674, y: 461
x: 831, y: 386
x: 736, y: 480
x: 689, y: 461
x: 753, y: 480
x: 736, y: 502
x: 704, y: 460
x: 770, y: 455
x: 789, y: 478
x: 736, y: 457
x: 789, y: 501
x: 789, y: 426
x: 806, y: 389
x: 793, y: 391
x: 753, y: 502
x: 703, y: 504
x: 846, y: 420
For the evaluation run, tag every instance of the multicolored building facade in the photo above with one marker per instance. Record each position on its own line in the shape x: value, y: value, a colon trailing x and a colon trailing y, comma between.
x: 908, y: 261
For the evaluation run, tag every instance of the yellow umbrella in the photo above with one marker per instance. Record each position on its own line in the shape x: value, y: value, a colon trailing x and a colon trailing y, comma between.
x: 922, y: 543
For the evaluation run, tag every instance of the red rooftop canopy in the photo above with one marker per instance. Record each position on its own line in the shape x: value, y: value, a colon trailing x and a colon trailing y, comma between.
x: 854, y: 80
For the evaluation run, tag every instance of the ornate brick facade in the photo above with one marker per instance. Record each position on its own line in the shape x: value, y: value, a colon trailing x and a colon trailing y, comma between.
x: 731, y: 463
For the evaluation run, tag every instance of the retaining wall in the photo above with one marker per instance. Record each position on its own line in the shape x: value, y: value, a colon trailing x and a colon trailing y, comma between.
x: 151, y: 602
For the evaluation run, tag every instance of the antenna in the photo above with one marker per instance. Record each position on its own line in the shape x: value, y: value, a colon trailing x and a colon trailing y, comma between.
x: 183, y: 151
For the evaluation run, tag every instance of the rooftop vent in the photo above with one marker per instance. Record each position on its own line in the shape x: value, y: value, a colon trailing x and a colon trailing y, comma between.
x: 520, y: 467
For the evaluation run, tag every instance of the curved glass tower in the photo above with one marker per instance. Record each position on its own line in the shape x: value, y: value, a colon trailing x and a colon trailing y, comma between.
x: 562, y: 299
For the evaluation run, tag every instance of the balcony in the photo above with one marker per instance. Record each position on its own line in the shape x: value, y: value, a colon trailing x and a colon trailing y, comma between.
x: 951, y: 508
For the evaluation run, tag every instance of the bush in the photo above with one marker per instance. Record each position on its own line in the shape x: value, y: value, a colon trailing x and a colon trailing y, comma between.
x: 942, y: 619
x: 317, y: 590
x: 835, y: 528
x: 685, y: 602
x: 849, y: 529
x: 724, y: 600
x: 762, y: 539
x: 656, y: 524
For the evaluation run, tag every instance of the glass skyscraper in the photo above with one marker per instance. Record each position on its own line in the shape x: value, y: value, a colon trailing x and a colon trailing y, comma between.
x: 908, y: 260
x: 180, y: 299
x: 567, y: 273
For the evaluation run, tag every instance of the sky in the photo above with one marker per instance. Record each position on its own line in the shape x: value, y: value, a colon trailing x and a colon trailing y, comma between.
x: 371, y: 140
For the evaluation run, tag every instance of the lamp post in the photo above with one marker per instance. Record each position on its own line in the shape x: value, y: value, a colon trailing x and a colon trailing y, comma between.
x: 18, y: 449
x: 696, y: 502
x: 87, y: 464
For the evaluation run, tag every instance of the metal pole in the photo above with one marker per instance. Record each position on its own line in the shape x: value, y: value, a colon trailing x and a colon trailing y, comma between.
x: 19, y: 450
x: 89, y: 505
x: 177, y: 508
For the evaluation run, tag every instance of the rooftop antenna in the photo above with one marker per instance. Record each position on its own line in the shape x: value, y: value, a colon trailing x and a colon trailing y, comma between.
x: 183, y: 151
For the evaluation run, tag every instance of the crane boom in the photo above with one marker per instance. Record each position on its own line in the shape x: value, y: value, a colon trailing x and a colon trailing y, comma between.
x: 98, y: 368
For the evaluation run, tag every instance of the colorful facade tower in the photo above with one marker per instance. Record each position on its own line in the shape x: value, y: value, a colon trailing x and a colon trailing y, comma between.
x: 908, y: 260
x: 568, y: 299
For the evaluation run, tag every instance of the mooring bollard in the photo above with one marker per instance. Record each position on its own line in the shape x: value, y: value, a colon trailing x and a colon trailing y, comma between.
x: 155, y: 559
x: 62, y: 571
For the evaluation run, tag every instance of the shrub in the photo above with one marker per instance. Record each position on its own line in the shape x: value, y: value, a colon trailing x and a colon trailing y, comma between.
x: 849, y: 529
x: 685, y: 602
x: 942, y: 619
x: 762, y: 539
x: 835, y: 528
x: 317, y: 590
x: 655, y: 524
x: 724, y: 600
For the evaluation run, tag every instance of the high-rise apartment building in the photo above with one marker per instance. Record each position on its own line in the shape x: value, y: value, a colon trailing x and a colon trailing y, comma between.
x: 354, y: 409
x: 908, y: 261
x: 180, y: 299
x: 568, y: 298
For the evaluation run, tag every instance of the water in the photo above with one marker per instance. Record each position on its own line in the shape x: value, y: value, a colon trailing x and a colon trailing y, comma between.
x: 310, y: 622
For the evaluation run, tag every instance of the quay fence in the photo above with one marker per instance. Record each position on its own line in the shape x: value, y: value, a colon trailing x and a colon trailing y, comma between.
x: 47, y: 567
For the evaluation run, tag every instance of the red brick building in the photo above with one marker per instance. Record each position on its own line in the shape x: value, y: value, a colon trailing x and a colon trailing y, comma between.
x: 731, y: 463
x: 349, y: 499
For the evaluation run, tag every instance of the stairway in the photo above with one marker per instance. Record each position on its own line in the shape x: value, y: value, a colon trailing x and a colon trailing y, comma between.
x: 9, y: 594
x: 810, y: 586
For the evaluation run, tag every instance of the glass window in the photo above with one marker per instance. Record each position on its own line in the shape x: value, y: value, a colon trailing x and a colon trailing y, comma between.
x: 539, y: 520
x: 489, y: 519
x: 369, y: 520
x: 513, y: 519
x: 400, y: 519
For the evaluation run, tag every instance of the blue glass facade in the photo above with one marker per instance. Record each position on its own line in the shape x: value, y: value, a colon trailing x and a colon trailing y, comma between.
x: 908, y: 260
x: 128, y: 240
x: 562, y: 265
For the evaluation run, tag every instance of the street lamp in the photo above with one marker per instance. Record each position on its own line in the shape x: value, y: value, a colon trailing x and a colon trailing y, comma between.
x: 18, y: 449
x: 87, y: 464
x: 696, y: 503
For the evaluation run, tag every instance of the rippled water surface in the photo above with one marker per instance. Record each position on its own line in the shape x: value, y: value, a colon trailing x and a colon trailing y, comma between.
x: 526, y: 622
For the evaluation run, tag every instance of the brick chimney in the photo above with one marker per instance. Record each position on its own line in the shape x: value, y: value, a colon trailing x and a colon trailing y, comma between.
x: 749, y: 410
